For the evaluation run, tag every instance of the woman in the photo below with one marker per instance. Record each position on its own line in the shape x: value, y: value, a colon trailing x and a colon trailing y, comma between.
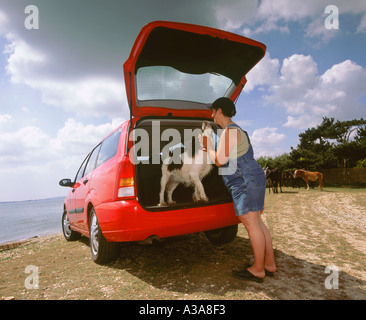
x: 247, y: 185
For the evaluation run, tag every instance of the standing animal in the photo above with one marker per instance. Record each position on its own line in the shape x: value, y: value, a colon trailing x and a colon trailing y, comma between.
x: 193, y: 165
x: 275, y: 178
x: 287, y: 179
x: 309, y: 176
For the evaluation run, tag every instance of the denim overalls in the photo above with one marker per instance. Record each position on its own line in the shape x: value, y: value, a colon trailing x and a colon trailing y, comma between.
x: 247, y: 184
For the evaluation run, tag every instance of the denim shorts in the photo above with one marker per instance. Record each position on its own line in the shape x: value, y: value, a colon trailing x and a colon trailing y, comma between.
x: 247, y: 186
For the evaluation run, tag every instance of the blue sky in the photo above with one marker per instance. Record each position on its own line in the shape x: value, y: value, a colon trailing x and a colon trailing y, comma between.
x: 62, y: 87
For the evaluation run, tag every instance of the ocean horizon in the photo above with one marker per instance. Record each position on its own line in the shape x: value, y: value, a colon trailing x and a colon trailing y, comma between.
x: 30, y: 218
x: 28, y: 200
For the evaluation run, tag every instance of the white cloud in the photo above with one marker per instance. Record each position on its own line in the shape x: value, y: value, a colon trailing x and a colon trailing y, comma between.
x: 94, y: 95
x: 29, y: 157
x: 302, y: 122
x: 316, y: 29
x: 232, y: 14
x: 265, y: 27
x: 339, y: 90
x: 307, y: 96
x: 267, y: 136
x: 255, y: 17
x: 298, y: 73
x: 24, y: 63
x: 267, y: 142
x: 24, y: 145
x: 290, y: 10
x: 4, y: 120
x: 78, y: 138
x: 263, y: 73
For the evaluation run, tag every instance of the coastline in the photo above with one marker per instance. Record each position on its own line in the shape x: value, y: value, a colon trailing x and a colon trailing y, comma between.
x: 17, y: 243
x: 32, y: 200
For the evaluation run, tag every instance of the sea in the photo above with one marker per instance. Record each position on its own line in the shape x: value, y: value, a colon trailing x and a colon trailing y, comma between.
x: 26, y: 219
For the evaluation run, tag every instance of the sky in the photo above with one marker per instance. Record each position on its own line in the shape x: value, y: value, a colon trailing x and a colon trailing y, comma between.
x: 62, y: 88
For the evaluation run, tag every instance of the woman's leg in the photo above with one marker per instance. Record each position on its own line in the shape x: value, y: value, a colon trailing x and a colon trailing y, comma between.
x: 257, y: 240
x: 269, y: 260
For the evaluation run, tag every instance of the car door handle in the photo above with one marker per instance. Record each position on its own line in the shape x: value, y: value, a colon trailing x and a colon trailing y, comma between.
x: 85, y: 181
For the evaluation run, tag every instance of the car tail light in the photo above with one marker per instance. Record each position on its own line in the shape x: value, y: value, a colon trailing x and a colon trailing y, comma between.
x: 126, y: 182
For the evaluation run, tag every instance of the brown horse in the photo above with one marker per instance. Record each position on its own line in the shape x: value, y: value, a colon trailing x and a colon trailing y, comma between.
x: 275, y: 178
x: 309, y: 176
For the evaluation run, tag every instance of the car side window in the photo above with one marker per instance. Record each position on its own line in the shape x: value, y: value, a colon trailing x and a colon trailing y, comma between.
x: 109, y: 147
x: 80, y: 173
x: 92, y: 159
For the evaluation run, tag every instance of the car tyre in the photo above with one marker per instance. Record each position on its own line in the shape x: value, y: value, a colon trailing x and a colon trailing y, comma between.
x: 69, y: 234
x: 102, y: 251
x: 223, y: 235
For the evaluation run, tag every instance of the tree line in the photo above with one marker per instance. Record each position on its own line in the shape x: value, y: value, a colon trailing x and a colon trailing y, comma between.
x: 332, y: 144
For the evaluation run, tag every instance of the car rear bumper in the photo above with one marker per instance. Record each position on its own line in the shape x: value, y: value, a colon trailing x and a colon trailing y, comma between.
x: 122, y: 221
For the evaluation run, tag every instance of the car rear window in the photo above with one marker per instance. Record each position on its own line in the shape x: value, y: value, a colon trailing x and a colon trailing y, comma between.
x: 167, y: 83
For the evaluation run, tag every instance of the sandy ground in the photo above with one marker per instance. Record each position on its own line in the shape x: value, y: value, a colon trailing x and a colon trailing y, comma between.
x: 319, y: 241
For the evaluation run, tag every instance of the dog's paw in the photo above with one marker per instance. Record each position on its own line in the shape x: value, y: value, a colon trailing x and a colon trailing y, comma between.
x: 199, y: 199
x: 171, y: 202
x: 162, y: 204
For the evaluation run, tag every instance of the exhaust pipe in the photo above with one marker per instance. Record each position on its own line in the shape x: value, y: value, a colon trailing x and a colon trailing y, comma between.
x: 152, y: 240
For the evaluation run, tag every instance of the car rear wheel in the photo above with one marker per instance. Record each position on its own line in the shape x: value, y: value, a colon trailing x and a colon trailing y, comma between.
x: 223, y: 235
x: 102, y: 251
x: 69, y: 234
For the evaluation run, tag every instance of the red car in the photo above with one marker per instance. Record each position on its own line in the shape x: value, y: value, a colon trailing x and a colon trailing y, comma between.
x: 173, y: 73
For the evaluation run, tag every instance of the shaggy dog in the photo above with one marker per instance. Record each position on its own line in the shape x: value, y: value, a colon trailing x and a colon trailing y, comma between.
x: 193, y: 165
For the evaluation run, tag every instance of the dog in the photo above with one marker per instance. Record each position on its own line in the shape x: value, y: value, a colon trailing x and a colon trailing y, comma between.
x: 193, y: 165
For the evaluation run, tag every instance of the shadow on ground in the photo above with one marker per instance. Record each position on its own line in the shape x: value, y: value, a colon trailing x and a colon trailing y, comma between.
x: 190, y: 264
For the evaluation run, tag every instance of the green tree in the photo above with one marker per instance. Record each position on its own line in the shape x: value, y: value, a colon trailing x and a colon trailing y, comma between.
x: 282, y: 162
x: 331, y: 144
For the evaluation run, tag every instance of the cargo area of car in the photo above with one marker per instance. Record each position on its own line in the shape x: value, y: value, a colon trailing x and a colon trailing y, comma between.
x: 148, y: 171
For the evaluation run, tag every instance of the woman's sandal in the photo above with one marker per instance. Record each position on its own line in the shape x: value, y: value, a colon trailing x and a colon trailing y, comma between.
x: 268, y: 273
x: 246, y: 275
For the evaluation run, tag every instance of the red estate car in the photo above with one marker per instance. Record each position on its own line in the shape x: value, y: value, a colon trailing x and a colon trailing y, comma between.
x: 173, y: 73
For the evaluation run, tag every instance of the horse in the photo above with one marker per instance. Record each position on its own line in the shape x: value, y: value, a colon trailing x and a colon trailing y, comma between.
x: 274, y: 177
x: 288, y: 179
x: 309, y: 176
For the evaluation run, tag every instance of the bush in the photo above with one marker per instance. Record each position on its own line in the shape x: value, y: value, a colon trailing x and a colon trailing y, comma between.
x: 361, y: 163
